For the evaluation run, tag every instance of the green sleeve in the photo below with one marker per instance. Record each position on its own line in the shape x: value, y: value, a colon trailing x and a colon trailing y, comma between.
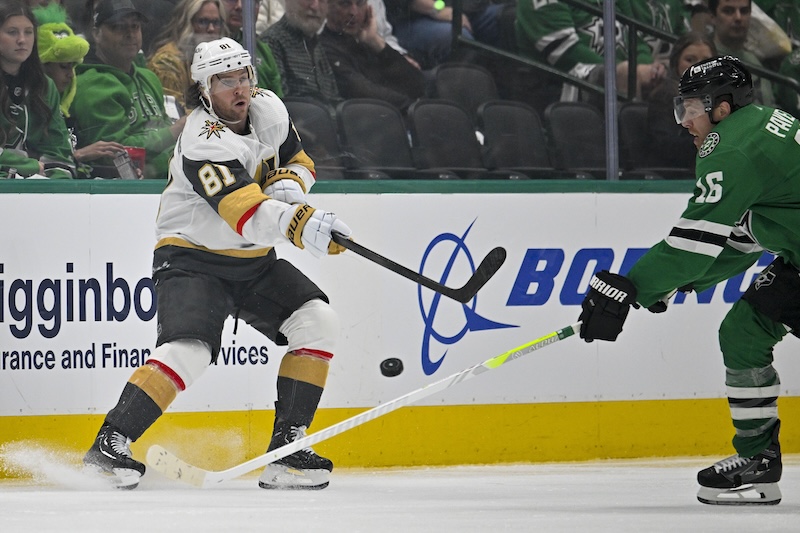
x: 716, y: 206
x: 19, y: 161
x: 547, y: 32
x: 269, y: 77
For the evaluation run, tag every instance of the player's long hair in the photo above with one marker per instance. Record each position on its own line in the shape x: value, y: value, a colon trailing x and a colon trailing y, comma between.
x: 34, y: 80
x: 194, y: 96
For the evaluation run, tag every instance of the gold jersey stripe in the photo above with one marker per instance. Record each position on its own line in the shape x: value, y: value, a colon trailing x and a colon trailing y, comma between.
x: 236, y: 204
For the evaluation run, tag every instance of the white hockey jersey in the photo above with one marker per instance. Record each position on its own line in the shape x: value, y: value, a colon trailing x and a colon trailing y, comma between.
x: 216, y: 179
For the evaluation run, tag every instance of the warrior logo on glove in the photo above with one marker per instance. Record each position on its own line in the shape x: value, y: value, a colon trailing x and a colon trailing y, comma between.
x: 606, y: 306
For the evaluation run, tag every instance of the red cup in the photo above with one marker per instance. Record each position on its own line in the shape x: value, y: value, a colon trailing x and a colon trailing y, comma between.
x: 137, y: 156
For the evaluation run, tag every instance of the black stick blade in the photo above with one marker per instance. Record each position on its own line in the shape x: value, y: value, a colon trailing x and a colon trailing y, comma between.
x: 487, y: 268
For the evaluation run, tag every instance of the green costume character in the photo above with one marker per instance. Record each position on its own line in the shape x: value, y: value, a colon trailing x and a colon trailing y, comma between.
x: 747, y: 200
x: 59, y: 44
x: 112, y: 105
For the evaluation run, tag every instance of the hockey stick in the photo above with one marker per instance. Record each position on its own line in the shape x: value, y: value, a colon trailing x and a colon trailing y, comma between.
x: 487, y: 268
x: 171, y: 466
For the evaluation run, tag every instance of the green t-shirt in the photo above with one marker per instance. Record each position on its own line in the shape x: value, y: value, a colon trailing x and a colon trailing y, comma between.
x: 746, y: 200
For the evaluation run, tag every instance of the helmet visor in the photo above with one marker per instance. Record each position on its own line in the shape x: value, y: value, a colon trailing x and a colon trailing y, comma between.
x: 231, y: 80
x: 691, y: 107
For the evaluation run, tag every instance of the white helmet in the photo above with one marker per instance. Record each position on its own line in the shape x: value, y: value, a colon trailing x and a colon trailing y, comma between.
x: 216, y: 57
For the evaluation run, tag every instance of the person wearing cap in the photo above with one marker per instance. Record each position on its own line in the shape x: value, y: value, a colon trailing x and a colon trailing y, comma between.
x: 117, y: 100
x: 33, y: 137
x: 238, y: 185
x: 746, y: 202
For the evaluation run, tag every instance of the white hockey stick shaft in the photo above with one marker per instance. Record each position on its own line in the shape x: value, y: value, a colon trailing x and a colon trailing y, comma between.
x: 173, y: 467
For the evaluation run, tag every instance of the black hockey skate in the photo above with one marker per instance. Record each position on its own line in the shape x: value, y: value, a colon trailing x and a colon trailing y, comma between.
x: 303, y: 470
x: 110, y: 456
x: 744, y: 480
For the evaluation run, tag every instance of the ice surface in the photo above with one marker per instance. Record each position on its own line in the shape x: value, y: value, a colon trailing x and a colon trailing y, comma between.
x: 608, y: 496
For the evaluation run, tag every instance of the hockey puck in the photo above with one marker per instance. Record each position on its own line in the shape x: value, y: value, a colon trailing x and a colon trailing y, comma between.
x: 391, y: 367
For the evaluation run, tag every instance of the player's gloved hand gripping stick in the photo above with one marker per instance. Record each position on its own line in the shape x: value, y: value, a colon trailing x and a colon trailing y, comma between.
x: 606, y: 306
x: 486, y: 269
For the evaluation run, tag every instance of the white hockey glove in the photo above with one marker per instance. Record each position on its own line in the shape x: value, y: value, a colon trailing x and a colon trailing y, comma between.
x: 286, y: 186
x: 309, y: 228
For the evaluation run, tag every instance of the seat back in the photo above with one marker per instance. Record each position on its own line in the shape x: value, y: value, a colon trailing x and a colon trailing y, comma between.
x: 513, y: 135
x: 576, y: 134
x: 443, y: 136
x: 633, y: 135
x: 374, y: 135
x: 467, y: 84
x: 316, y: 126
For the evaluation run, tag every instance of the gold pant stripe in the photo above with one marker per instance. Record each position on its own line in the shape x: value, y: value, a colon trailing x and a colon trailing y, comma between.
x: 303, y: 368
x: 155, y: 384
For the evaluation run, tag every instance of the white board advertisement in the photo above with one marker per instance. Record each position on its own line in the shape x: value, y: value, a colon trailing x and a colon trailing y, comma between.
x: 77, y: 310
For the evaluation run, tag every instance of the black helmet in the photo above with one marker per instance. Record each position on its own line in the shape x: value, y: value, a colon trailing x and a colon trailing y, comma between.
x: 717, y: 77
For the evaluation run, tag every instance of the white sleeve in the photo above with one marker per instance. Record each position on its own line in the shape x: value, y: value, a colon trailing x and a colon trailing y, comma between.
x: 262, y: 228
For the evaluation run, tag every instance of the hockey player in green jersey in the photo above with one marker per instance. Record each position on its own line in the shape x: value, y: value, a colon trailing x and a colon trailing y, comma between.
x: 746, y: 201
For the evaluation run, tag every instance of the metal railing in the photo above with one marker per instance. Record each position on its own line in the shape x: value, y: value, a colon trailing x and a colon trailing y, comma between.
x: 607, y: 12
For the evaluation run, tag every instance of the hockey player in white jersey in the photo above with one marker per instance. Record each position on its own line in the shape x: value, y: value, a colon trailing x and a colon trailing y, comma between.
x: 237, y: 186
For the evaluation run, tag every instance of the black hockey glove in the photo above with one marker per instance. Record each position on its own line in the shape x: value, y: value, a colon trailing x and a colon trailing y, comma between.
x: 661, y: 305
x: 606, y: 306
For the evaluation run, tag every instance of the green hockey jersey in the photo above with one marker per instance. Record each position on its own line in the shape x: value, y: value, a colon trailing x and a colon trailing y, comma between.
x: 568, y: 38
x: 746, y: 200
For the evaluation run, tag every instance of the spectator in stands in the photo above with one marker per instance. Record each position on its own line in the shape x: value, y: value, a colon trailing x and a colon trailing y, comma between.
x: 787, y: 15
x: 269, y: 13
x: 60, y: 50
x: 571, y: 40
x: 424, y: 27
x: 386, y: 31
x: 672, y: 144
x: 116, y: 100
x: 731, y: 21
x: 268, y: 72
x: 33, y: 137
x: 363, y: 63
x: 192, y: 22
x: 303, y: 64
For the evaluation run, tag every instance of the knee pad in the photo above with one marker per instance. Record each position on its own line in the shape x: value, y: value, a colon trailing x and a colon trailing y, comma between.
x: 314, y: 326
x: 183, y: 360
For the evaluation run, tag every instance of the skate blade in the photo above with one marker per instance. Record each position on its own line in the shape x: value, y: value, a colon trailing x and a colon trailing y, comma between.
x: 282, y: 477
x: 752, y: 494
x: 119, y: 478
